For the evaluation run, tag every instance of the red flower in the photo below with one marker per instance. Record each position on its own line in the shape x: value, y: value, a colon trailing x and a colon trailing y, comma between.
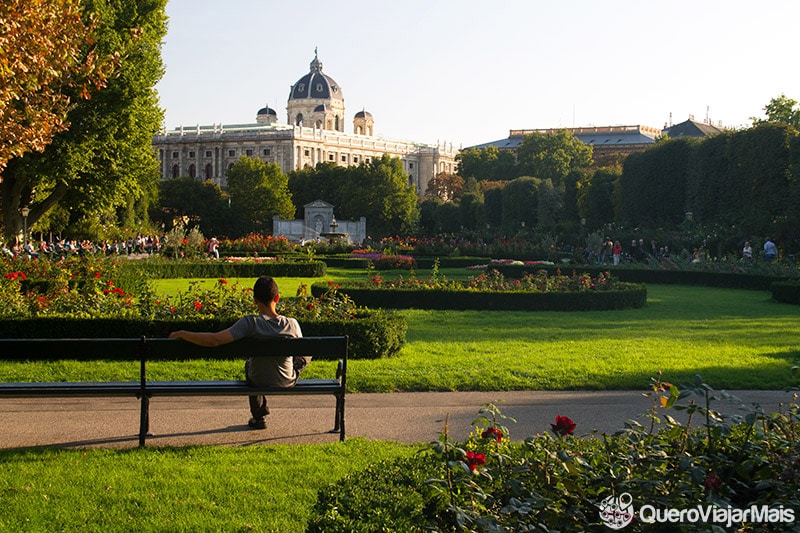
x: 492, y: 433
x: 563, y: 426
x: 310, y: 307
x: 197, y: 305
x: 330, y: 283
x: 97, y: 275
x: 712, y: 482
x: 223, y: 281
x: 475, y: 459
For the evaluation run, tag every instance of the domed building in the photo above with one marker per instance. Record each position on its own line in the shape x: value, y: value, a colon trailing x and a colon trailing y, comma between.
x: 314, y: 133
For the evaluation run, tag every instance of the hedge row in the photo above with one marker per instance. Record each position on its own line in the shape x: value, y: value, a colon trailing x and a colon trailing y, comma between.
x: 630, y: 296
x: 224, y: 269
x: 426, y: 263
x: 787, y: 292
x: 666, y: 277
x: 375, y: 334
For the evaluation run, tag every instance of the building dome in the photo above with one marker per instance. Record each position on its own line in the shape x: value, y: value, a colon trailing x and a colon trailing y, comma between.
x: 315, y: 84
x: 363, y: 114
x: 266, y: 111
x: 321, y: 108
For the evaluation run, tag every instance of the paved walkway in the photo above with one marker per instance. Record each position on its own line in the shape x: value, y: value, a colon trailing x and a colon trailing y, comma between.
x: 402, y: 417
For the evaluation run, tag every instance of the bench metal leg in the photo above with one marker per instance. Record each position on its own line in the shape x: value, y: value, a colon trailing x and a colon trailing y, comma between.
x: 338, y: 424
x: 144, y: 420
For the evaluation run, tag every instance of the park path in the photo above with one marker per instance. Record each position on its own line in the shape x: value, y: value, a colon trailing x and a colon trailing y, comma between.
x: 402, y: 417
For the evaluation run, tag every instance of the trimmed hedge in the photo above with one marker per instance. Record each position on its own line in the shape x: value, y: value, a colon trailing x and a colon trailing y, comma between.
x: 787, y: 292
x: 640, y: 275
x: 631, y: 296
x: 224, y: 269
x: 375, y: 334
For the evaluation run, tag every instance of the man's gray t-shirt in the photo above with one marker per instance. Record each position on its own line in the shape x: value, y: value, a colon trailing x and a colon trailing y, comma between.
x: 268, y: 371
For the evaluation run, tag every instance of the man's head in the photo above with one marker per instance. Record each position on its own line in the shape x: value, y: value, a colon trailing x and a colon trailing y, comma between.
x: 265, y: 290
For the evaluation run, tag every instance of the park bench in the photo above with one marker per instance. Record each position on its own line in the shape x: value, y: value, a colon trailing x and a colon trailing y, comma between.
x: 145, y: 350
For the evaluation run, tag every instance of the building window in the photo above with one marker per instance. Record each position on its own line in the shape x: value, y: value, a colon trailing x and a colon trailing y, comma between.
x: 175, y: 155
x: 307, y: 152
x: 344, y: 159
x: 231, y: 153
x: 191, y: 154
x: 355, y: 159
x: 208, y: 153
x: 176, y: 171
x: 192, y: 171
x: 209, y: 171
x: 331, y: 157
x: 301, y: 87
x: 249, y: 152
x: 298, y: 121
x: 267, y: 151
x: 410, y: 165
x: 319, y: 87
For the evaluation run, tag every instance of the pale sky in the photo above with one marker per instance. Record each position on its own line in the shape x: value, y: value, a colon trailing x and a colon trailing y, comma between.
x: 468, y: 71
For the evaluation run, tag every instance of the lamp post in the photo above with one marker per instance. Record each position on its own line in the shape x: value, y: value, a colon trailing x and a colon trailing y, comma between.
x: 24, y: 212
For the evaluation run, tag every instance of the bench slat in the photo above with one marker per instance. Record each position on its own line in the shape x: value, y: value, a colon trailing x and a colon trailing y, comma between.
x: 63, y: 389
x: 234, y: 388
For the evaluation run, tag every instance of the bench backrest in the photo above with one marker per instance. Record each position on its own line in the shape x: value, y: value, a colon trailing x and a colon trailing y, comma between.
x: 162, y: 349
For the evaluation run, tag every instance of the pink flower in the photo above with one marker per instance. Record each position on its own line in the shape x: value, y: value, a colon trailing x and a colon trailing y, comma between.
x: 563, y: 426
x: 475, y: 459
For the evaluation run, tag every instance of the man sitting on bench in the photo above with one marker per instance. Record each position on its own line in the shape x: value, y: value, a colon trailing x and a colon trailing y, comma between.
x: 260, y: 371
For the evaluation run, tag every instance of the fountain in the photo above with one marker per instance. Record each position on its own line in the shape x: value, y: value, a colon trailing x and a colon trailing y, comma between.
x: 334, y: 236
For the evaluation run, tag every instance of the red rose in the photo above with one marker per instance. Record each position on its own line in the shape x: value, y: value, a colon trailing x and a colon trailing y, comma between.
x: 492, y: 433
x: 475, y: 459
x: 563, y: 426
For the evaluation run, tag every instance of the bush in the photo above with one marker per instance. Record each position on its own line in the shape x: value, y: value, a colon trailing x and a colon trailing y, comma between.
x: 562, y: 483
x: 786, y: 292
x: 539, y: 292
x: 228, y: 268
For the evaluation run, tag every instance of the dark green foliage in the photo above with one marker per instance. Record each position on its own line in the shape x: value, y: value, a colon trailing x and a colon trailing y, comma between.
x: 787, y: 292
x: 628, y: 297
x: 386, y: 497
x: 372, y: 334
x: 653, y: 184
x: 203, y: 204
x: 221, y: 269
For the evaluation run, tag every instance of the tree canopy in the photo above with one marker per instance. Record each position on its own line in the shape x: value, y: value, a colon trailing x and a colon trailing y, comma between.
x: 105, y: 160
x: 259, y: 191
x: 48, y: 59
x: 781, y: 110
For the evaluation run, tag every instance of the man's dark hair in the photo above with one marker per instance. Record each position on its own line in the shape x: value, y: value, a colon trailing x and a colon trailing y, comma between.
x: 265, y: 289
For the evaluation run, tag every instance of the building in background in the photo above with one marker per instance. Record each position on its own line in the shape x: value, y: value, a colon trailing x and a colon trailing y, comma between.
x: 313, y: 133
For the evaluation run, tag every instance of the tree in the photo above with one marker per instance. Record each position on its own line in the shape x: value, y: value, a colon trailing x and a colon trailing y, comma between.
x: 596, y: 197
x: 259, y: 191
x: 445, y: 186
x: 552, y: 155
x: 783, y: 110
x: 198, y: 204
x: 105, y: 160
x: 487, y: 164
x: 48, y: 58
x: 324, y: 182
x: 521, y: 202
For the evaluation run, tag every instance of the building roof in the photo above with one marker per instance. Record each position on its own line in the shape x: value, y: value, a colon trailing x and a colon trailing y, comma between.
x: 266, y: 111
x: 690, y: 128
x: 315, y: 84
x: 605, y: 136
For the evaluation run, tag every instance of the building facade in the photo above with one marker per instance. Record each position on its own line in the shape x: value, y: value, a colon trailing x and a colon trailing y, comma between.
x: 314, y: 132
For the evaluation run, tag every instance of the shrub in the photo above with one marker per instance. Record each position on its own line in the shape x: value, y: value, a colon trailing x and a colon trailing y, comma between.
x: 560, y: 482
x: 786, y: 292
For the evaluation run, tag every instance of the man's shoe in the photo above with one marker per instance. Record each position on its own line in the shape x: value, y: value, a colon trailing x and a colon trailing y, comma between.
x: 257, y: 423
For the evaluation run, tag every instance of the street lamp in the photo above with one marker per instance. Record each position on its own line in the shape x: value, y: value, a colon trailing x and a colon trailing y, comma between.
x: 24, y: 212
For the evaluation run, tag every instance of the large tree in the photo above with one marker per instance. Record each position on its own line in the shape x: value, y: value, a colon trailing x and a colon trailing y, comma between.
x: 259, y: 191
x: 781, y: 110
x: 189, y: 202
x: 104, y: 161
x: 552, y: 155
x: 488, y: 163
x: 47, y: 58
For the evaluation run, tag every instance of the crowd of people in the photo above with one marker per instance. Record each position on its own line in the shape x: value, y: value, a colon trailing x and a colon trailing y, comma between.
x: 59, y: 248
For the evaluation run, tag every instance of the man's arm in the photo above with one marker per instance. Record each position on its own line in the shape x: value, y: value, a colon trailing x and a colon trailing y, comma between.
x: 204, y: 338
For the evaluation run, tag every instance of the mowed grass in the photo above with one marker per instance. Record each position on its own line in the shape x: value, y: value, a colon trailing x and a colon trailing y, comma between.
x: 734, y: 339
x: 254, y: 488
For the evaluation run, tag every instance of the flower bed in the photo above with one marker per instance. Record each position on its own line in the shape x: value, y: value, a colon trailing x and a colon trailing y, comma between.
x: 83, y: 299
x: 538, y: 292
x: 555, y: 481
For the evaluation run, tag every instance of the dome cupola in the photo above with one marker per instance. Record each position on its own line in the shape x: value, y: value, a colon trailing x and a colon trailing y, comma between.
x: 316, y: 100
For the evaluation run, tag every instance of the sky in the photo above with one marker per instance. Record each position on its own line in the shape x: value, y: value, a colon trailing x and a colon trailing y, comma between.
x: 466, y: 72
